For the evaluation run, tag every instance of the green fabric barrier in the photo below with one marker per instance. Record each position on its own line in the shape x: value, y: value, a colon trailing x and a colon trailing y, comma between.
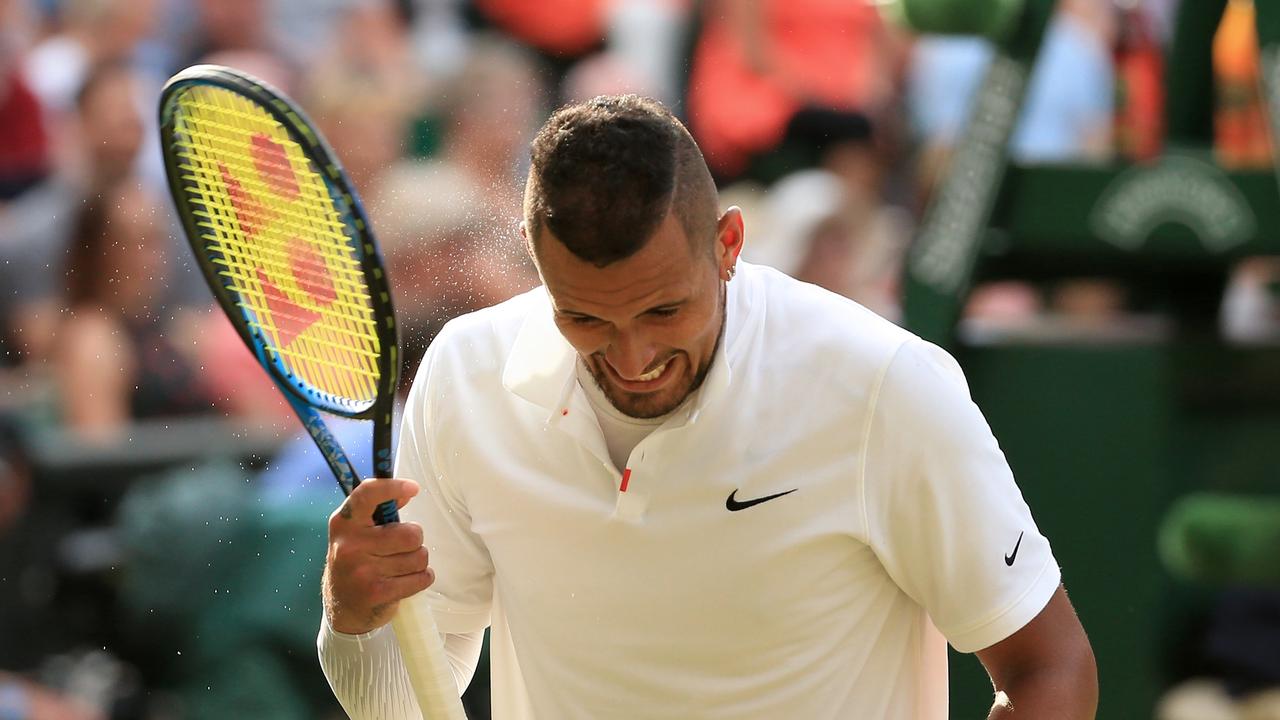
x: 228, y: 589
x: 1087, y: 431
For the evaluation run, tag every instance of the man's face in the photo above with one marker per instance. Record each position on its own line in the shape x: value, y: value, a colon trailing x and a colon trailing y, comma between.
x: 647, y: 326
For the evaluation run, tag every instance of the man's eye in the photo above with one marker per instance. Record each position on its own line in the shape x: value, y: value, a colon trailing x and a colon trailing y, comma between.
x: 664, y: 312
x: 582, y: 319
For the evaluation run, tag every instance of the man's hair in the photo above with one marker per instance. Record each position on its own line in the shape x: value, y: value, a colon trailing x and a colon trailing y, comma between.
x: 605, y: 172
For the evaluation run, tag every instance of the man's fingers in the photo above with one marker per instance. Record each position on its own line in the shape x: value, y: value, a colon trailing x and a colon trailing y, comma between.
x: 407, y: 563
x: 403, y: 586
x: 396, y: 538
x: 370, y: 568
x: 371, y: 493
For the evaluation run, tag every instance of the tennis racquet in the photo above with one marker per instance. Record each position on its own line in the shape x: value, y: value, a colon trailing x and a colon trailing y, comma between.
x: 287, y: 250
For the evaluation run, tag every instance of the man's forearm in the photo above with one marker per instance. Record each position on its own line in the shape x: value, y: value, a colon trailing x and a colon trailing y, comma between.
x: 1049, y: 694
x: 367, y: 673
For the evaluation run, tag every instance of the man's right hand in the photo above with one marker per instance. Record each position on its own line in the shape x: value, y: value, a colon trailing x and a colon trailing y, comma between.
x: 371, y: 568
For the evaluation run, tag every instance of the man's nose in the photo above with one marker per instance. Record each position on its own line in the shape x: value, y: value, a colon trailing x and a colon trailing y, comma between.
x: 630, y: 354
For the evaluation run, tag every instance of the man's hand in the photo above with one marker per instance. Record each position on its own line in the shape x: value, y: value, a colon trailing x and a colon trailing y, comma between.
x: 371, y: 568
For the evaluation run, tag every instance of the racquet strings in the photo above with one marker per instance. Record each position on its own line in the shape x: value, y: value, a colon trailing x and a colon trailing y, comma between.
x: 281, y: 243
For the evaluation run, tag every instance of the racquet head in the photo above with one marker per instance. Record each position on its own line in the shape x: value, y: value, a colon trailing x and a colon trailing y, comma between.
x: 287, y: 250
x: 283, y: 242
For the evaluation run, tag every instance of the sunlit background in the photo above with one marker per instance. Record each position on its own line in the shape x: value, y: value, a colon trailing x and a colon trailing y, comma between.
x: 1077, y: 199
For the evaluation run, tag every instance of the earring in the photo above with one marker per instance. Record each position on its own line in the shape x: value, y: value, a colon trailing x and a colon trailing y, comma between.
x: 729, y: 273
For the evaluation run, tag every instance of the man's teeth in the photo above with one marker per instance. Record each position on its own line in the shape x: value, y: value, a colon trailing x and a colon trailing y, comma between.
x: 652, y: 374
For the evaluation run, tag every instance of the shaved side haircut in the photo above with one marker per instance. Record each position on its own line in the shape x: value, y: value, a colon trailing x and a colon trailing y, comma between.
x: 605, y: 173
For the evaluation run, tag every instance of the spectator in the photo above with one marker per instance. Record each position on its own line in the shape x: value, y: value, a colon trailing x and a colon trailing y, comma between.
x: 25, y: 164
x: 15, y: 479
x: 648, y: 39
x: 562, y: 29
x: 227, y: 25
x: 759, y: 62
x: 92, y: 32
x: 490, y: 110
x: 370, y: 43
x: 24, y: 157
x: 21, y: 698
x: 24, y: 143
x: 113, y: 359
x: 1067, y: 110
x: 605, y: 73
x: 817, y: 232
x: 1250, y: 311
x: 110, y: 125
x: 109, y: 135
x: 364, y: 114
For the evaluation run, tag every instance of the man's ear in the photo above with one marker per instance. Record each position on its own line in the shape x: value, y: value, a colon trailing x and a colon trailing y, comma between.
x: 528, y: 241
x: 730, y: 236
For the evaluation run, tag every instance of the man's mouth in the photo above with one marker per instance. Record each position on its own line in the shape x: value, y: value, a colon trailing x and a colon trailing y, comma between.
x: 654, y: 373
x: 647, y: 382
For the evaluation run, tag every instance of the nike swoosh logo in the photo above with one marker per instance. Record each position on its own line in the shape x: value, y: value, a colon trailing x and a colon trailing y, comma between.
x: 733, y: 504
x: 1008, y: 559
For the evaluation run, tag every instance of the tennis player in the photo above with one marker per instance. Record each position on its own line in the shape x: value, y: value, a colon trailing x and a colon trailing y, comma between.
x: 675, y: 485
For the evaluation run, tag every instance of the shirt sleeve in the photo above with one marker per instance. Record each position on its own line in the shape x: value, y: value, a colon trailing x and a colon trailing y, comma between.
x: 462, y: 594
x: 943, y: 513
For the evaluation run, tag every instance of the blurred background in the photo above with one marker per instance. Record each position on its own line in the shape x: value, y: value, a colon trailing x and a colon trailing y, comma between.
x: 1077, y: 198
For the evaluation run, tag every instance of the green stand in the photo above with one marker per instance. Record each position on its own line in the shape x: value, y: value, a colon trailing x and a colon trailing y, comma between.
x: 1105, y: 437
x: 1180, y: 220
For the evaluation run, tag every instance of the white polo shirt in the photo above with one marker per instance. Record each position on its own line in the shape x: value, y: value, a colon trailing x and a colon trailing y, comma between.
x: 679, y: 588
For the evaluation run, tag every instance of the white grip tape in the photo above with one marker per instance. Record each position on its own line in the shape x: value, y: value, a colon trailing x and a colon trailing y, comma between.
x: 424, y: 659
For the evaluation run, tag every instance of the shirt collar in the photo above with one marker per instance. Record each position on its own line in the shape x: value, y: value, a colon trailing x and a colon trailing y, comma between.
x: 541, y: 370
x: 540, y: 367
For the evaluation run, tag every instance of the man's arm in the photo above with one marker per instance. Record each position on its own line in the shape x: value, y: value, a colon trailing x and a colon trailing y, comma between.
x: 370, y: 568
x: 1046, y: 670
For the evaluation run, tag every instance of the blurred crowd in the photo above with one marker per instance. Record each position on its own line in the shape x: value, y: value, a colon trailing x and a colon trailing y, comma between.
x: 828, y: 125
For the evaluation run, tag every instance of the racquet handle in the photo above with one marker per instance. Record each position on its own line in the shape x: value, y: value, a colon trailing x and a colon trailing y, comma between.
x: 386, y: 513
x: 420, y: 644
x: 424, y: 659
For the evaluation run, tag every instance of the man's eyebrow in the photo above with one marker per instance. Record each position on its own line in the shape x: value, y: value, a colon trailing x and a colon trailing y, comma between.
x: 668, y: 305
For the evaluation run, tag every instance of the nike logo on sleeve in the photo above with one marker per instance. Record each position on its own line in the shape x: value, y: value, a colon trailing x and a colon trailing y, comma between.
x: 1008, y: 559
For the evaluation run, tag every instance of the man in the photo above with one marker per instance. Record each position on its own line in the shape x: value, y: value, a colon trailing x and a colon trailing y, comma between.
x: 678, y: 486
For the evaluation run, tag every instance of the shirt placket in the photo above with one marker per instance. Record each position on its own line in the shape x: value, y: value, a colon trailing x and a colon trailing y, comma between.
x: 577, y: 420
x: 636, y: 483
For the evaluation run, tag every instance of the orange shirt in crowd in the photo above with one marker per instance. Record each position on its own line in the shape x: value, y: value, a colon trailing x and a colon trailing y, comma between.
x: 556, y: 27
x: 759, y: 61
